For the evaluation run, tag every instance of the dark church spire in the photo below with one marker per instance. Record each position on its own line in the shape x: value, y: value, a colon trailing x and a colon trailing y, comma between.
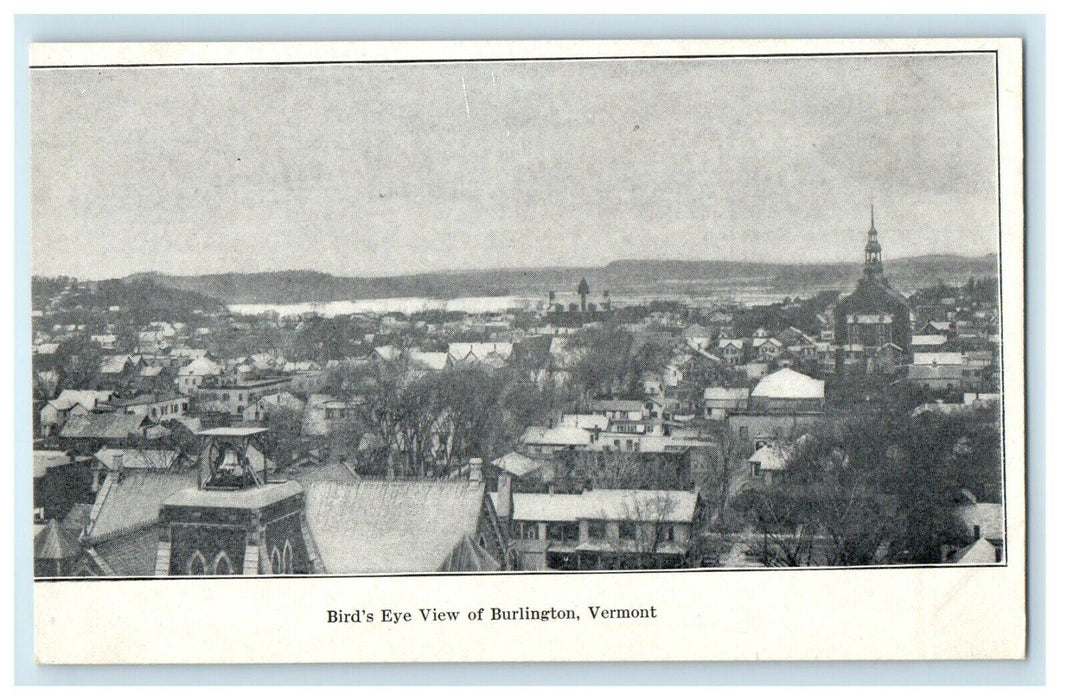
x: 872, y: 253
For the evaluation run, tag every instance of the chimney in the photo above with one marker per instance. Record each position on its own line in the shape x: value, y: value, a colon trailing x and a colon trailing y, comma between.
x: 475, y: 469
x: 503, y: 496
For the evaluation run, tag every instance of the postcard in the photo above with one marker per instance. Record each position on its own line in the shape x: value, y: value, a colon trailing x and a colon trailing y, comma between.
x: 528, y: 351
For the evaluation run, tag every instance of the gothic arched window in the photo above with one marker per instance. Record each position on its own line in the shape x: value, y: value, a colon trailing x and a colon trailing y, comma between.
x: 222, y: 566
x: 275, y: 561
x: 196, y: 565
x: 287, y: 557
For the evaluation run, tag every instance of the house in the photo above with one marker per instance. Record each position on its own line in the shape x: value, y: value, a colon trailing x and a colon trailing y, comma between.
x: 938, y: 359
x: 60, y: 480
x: 233, y: 397
x: 53, y: 415
x: 767, y: 349
x: 621, y: 409
x: 118, y: 370
x: 937, y: 378
x: 697, y: 337
x: 600, y: 528
x: 983, y: 524
x: 112, y: 459
x: 155, y: 407
x: 732, y: 350
x: 192, y: 376
x: 538, y: 440
x: 768, y: 463
x: 721, y: 401
x: 887, y: 359
x: 491, y: 353
x: 788, y: 391
x: 91, y: 431
x: 927, y: 343
x: 324, y: 414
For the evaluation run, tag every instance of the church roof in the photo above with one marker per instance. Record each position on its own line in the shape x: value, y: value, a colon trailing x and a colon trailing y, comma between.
x: 468, y: 555
x: 132, y: 554
x: 391, y: 526
x: 133, y: 501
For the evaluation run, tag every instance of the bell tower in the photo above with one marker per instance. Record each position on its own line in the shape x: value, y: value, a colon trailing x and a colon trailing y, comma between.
x: 236, y: 521
x: 872, y: 253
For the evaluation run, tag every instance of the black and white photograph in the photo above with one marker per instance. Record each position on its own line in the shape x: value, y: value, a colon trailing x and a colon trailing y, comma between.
x: 601, y: 313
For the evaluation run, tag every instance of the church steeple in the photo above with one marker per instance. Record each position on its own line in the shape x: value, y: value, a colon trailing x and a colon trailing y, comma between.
x: 872, y: 253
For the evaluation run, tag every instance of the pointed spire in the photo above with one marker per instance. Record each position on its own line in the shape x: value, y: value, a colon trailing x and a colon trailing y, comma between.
x: 872, y: 217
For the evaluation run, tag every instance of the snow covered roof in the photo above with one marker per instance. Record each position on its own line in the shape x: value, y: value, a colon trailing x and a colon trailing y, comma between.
x: 606, y: 504
x: 789, y: 384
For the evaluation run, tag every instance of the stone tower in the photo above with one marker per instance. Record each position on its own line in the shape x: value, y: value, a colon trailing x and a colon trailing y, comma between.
x: 235, y: 522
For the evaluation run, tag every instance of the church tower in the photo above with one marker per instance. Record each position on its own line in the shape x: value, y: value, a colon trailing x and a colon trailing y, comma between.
x: 583, y: 292
x: 235, y: 522
x: 872, y: 253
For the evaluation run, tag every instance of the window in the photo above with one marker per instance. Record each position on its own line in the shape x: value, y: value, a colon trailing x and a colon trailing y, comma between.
x: 597, y: 530
x: 196, y: 566
x: 287, y: 557
x: 743, y: 432
x: 222, y: 565
x: 555, y: 532
x: 665, y: 533
x: 627, y: 531
x: 977, y: 532
x: 275, y: 561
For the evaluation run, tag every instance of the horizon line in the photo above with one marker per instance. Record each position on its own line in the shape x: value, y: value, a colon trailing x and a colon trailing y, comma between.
x: 519, y: 268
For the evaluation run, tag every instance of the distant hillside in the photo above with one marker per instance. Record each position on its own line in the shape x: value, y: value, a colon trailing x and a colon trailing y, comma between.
x: 620, y: 277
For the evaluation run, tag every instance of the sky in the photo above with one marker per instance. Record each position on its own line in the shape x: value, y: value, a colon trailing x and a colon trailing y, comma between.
x: 384, y: 169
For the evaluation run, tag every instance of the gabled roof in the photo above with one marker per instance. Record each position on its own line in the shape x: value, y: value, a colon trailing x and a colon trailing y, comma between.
x: 391, y: 526
x: 43, y: 460
x: 201, y: 366
x: 468, y: 555
x: 606, y: 504
x: 989, y: 517
x: 114, y: 364
x: 88, y: 398
x: 133, y: 502
x: 981, y: 551
x: 115, y: 459
x: 131, y: 554
x: 53, y: 542
x: 559, y: 435
x: 518, y: 464
x: 334, y: 471
x: 770, y: 457
x: 938, y: 358
x: 789, y: 384
x: 722, y: 393
x: 103, y: 425
x: 618, y: 405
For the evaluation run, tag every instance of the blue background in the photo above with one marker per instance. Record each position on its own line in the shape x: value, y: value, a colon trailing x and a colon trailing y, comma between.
x: 398, y: 27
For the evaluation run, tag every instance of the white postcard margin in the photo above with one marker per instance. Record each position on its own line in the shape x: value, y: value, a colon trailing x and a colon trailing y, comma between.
x: 784, y: 614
